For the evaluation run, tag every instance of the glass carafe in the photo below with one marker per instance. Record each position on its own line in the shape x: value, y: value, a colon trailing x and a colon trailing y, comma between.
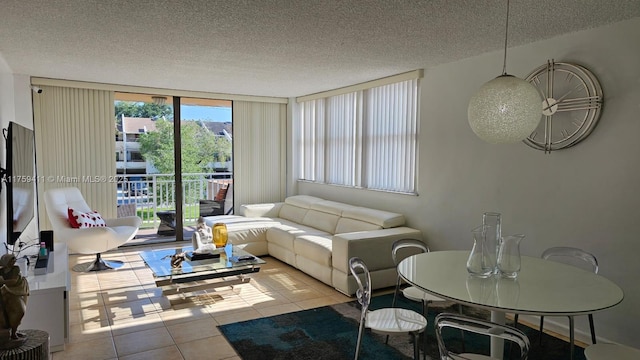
x: 482, y: 260
x: 493, y: 234
x: 509, y: 262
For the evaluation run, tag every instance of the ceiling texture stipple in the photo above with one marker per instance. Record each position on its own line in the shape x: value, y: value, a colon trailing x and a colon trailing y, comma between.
x: 272, y: 48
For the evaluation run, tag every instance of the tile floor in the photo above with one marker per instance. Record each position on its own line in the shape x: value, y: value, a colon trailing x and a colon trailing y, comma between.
x: 122, y: 315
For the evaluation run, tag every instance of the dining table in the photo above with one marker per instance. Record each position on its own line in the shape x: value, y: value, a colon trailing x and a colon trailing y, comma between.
x: 542, y: 288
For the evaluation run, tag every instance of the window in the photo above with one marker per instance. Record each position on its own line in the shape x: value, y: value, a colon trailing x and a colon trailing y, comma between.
x: 362, y: 138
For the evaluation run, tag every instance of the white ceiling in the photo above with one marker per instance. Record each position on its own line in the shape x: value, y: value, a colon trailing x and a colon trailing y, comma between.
x: 272, y: 48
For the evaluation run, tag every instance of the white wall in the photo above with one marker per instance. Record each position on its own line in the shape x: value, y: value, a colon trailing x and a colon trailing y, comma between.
x: 586, y: 196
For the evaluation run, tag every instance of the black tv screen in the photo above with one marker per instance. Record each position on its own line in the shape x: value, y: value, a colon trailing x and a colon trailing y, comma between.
x: 20, y: 180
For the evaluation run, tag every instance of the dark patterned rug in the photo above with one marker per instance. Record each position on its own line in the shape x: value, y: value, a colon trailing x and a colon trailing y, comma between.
x: 330, y: 333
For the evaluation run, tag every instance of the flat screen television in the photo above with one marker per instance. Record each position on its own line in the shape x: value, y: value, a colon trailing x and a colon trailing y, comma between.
x: 20, y: 180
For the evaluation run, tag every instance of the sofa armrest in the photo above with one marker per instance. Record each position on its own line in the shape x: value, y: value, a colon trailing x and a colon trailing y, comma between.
x: 261, y: 210
x: 373, y: 247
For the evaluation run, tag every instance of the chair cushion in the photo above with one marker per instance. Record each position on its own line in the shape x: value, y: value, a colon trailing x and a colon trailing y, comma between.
x: 222, y: 194
x: 80, y: 220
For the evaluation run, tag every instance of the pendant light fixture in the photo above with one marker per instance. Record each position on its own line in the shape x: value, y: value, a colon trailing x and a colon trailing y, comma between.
x: 506, y: 109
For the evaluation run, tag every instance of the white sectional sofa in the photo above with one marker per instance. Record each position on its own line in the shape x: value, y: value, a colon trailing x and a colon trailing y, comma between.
x: 319, y: 237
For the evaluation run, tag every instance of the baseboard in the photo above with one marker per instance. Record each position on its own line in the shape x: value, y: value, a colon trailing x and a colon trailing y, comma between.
x: 560, y: 325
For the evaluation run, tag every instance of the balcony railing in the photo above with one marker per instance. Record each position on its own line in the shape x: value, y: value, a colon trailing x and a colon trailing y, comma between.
x: 156, y: 192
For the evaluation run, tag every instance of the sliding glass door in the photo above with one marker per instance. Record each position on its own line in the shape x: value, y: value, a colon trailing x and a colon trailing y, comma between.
x: 149, y: 130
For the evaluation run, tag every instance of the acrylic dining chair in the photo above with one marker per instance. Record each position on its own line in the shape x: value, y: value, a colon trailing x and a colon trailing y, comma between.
x: 572, y: 256
x: 478, y: 326
x: 400, y: 250
x: 385, y: 320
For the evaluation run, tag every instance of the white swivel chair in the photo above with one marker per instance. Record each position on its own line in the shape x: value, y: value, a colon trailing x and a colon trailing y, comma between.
x: 95, y: 240
x: 386, y: 320
x: 567, y: 255
x: 477, y: 326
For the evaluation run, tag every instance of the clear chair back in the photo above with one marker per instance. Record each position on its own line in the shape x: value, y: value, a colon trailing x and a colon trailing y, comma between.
x: 478, y: 326
x: 572, y: 256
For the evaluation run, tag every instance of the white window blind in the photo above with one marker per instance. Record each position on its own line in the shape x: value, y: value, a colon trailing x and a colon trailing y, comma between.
x: 365, y: 138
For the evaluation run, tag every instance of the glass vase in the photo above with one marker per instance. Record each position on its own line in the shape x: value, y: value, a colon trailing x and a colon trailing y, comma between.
x: 493, y: 234
x: 509, y: 261
x: 481, y: 261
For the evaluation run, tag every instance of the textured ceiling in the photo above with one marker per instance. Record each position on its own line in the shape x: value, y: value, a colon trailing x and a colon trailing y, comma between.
x: 272, y: 48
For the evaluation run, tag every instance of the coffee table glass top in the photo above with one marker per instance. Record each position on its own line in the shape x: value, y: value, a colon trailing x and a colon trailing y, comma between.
x: 159, y: 261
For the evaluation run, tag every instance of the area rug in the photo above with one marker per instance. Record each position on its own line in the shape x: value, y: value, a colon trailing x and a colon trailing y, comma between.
x: 330, y: 333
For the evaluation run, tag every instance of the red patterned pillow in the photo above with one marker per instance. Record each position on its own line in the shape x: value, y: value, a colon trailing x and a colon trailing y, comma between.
x: 72, y: 219
x: 86, y: 220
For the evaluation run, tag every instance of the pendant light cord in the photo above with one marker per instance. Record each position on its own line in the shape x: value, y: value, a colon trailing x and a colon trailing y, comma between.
x: 506, y: 35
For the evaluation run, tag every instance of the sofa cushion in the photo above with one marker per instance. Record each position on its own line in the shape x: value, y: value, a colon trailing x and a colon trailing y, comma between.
x: 284, y: 233
x: 313, y: 247
x: 321, y: 220
x: 346, y: 225
x: 383, y: 218
x: 292, y: 213
x: 303, y: 201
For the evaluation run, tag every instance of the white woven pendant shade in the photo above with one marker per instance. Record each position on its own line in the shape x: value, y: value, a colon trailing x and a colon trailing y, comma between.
x: 505, y: 110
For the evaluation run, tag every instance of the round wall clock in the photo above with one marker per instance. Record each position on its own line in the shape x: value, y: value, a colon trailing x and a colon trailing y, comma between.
x: 571, y: 104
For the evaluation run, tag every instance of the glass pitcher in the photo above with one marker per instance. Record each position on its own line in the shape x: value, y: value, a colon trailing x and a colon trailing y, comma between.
x: 481, y: 261
x: 509, y: 262
x: 493, y: 234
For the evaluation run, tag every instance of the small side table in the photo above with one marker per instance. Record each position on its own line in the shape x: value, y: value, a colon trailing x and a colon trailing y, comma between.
x: 36, y: 347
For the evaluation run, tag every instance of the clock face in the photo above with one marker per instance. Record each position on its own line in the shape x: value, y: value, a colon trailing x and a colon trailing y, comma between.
x: 571, y: 99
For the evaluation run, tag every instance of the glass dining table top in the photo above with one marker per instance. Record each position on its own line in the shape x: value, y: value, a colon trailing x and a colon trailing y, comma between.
x: 543, y: 287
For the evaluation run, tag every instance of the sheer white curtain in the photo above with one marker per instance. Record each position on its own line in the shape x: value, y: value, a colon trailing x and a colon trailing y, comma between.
x: 75, y: 145
x: 365, y: 138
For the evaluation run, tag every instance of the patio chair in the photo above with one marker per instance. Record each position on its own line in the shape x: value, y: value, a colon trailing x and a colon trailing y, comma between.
x: 90, y: 240
x: 222, y: 204
x: 385, y: 320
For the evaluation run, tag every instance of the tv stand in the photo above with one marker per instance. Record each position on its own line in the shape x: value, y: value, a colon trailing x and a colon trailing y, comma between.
x: 48, y: 303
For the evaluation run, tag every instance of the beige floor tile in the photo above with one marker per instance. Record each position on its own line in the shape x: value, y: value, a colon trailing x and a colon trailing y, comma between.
x: 96, y: 349
x: 279, y: 309
x: 193, y: 330
x: 141, y: 341
x: 318, y: 302
x: 172, y: 316
x: 215, y: 347
x: 164, y: 353
x: 126, y: 310
x: 296, y: 295
x: 136, y: 323
x: 88, y: 331
x: 123, y: 294
x: 249, y: 314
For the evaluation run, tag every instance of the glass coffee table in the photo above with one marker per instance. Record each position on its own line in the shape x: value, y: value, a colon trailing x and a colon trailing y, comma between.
x: 196, y: 275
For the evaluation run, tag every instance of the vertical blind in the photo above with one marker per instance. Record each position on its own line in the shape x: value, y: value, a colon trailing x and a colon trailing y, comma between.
x: 75, y: 145
x: 259, y: 152
x: 365, y: 138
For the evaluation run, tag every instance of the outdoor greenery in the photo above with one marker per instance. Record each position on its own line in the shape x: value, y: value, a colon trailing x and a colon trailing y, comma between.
x: 143, y: 110
x: 200, y: 147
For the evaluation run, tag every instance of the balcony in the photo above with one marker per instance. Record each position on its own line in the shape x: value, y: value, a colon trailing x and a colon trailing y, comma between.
x: 156, y: 192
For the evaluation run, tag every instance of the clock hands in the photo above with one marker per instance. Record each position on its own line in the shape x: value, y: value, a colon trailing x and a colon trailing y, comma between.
x: 562, y: 97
